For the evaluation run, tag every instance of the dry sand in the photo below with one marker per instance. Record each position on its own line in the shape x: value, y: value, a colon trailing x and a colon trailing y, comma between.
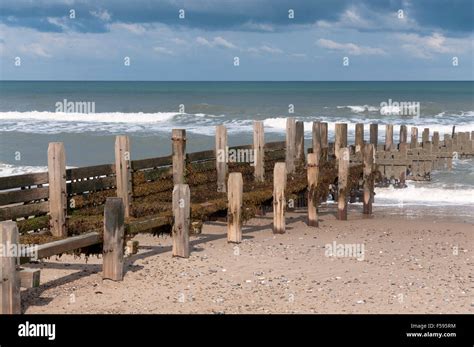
x: 409, y: 266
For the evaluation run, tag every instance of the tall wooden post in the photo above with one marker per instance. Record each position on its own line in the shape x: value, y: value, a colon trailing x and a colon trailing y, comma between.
x: 123, y: 171
x: 10, y: 300
x: 313, y: 196
x: 234, y: 209
x: 114, y: 236
x: 221, y: 157
x: 403, y: 137
x: 57, y: 189
x: 300, y: 159
x: 425, y: 136
x: 290, y: 144
x: 316, y: 137
x: 181, y: 214
x: 374, y: 134
x: 279, y: 202
x: 359, y: 137
x: 388, y: 137
x: 259, y: 150
x: 341, y: 138
x: 414, y: 137
x: 343, y: 182
x: 178, y: 138
x: 368, y: 179
x: 324, y: 140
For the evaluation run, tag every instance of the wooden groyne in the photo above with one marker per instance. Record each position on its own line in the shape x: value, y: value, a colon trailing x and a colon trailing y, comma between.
x: 98, y: 209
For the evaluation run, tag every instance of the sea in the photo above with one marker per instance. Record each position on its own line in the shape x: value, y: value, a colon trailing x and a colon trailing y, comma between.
x: 32, y: 115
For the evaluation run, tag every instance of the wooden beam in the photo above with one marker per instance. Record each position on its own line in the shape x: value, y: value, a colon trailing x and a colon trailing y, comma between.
x: 414, y: 137
x: 324, y: 140
x: 123, y: 171
x: 29, y: 278
x: 313, y: 197
x: 374, y: 134
x: 290, y: 144
x: 114, y: 233
x: 179, y: 151
x: 181, y: 214
x: 341, y: 138
x: 57, y: 188
x: 259, y: 152
x: 403, y: 136
x: 316, y: 138
x: 279, y: 202
x: 300, y: 157
x: 221, y: 157
x: 10, y: 301
x: 359, y: 137
x: 368, y: 157
x: 343, y: 182
x: 234, y: 209
x: 388, y: 137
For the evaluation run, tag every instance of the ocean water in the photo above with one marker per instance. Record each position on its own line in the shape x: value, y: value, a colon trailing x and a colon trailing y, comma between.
x: 147, y: 111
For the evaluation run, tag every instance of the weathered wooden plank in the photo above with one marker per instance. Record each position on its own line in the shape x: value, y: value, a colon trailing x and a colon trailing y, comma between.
x: 21, y: 211
x: 201, y: 156
x: 18, y: 181
x: 221, y: 158
x: 10, y: 299
x: 290, y: 144
x: 30, y: 278
x: 274, y: 145
x: 359, y: 137
x: 259, y: 152
x: 178, y: 139
x: 25, y: 195
x: 123, y: 171
x: 313, y: 176
x: 181, y: 214
x: 368, y: 179
x: 150, y: 163
x: 90, y: 171
x: 92, y: 185
x: 57, y: 188
x: 343, y: 181
x: 114, y: 231
x: 234, y: 210
x: 279, y: 201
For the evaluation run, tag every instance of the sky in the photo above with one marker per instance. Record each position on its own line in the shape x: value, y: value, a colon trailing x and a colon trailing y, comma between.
x: 213, y: 40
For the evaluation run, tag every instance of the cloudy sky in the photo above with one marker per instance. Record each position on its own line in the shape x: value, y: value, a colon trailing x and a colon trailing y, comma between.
x: 272, y: 39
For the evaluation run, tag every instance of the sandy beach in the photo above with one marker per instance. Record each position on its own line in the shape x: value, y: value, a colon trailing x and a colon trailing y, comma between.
x: 422, y: 265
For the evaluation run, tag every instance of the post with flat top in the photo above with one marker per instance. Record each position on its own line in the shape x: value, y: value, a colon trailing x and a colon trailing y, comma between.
x: 279, y: 202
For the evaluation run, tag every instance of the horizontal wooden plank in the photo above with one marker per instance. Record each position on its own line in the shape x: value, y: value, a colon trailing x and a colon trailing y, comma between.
x: 71, y: 243
x: 198, y: 156
x: 151, y: 163
x: 25, y: 195
x: 19, y: 211
x: 90, y: 171
x: 274, y: 145
x: 91, y: 185
x: 18, y: 181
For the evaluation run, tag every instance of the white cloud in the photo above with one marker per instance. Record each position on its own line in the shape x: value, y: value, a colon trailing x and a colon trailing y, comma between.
x: 35, y: 49
x: 163, y: 50
x: 101, y: 14
x: 427, y: 46
x: 133, y: 28
x: 218, y: 41
x: 178, y: 41
x: 350, y: 48
x: 271, y: 50
x: 258, y: 27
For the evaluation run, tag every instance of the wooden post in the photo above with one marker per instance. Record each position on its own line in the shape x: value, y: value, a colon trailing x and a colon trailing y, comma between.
x: 343, y: 181
x: 178, y: 138
x: 324, y: 140
x: 414, y: 137
x: 221, y: 157
x: 341, y: 138
x: 388, y: 137
x: 259, y: 151
x: 368, y: 179
x: 279, y: 202
x: 435, y: 140
x: 123, y: 171
x: 316, y: 138
x: 403, y: 136
x: 57, y: 189
x: 299, y: 144
x: 313, y: 197
x: 181, y: 213
x: 234, y: 209
x: 290, y: 144
x: 114, y: 234
x: 425, y: 136
x: 10, y: 300
x: 374, y: 134
x: 9, y: 277
x: 359, y: 137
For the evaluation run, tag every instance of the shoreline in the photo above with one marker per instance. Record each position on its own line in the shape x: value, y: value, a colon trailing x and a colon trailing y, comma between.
x: 409, y: 266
